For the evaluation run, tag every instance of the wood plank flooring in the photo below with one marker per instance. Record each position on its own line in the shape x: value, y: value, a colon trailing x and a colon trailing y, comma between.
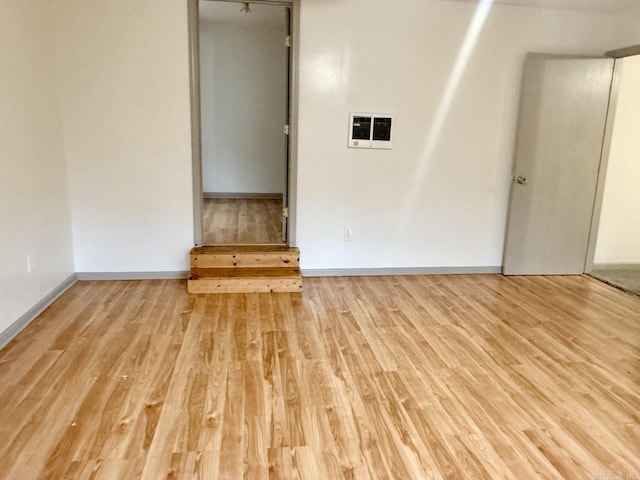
x: 242, y: 221
x: 425, y: 377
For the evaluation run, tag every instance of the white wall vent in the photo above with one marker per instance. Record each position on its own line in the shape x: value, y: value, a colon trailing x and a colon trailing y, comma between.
x: 370, y: 130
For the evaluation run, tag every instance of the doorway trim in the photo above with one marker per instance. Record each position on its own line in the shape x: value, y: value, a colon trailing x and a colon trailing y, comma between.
x: 196, y: 125
x: 602, y: 169
x: 196, y: 140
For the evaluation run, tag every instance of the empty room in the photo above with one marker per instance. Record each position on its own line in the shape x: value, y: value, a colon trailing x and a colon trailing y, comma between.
x: 319, y: 239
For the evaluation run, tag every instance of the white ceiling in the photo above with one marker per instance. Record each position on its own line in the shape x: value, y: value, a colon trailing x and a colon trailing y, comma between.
x: 609, y: 6
x: 229, y: 12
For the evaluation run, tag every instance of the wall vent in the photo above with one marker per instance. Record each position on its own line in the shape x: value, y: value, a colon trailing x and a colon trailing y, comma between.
x: 370, y: 130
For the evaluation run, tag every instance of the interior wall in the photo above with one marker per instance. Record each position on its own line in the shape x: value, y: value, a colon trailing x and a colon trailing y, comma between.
x: 243, y: 71
x: 34, y: 206
x: 124, y: 75
x: 625, y: 28
x: 619, y: 230
x: 439, y: 198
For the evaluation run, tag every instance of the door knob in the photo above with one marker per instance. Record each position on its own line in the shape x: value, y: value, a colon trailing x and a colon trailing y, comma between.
x: 522, y: 180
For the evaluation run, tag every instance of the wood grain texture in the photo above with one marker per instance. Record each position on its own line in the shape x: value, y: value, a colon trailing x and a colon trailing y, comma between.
x: 245, y: 273
x: 478, y: 376
x: 244, y: 269
x: 282, y: 283
x: 245, y: 256
x: 241, y: 221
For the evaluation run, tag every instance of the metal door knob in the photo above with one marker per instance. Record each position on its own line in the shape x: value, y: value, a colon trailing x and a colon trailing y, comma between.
x: 522, y: 180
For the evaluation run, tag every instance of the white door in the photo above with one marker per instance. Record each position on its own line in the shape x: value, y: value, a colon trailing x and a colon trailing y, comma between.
x: 563, y: 113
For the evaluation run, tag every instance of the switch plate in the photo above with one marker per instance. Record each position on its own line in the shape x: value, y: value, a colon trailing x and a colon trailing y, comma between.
x: 348, y: 235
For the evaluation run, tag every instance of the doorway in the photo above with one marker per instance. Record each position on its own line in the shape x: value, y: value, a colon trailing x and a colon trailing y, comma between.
x: 242, y: 72
x: 617, y: 251
x: 571, y: 138
x: 563, y: 112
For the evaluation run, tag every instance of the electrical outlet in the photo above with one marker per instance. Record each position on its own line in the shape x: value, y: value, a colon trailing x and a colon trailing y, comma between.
x: 348, y: 235
x: 29, y: 264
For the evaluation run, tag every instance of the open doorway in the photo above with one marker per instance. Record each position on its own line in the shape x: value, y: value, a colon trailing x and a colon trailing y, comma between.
x: 575, y: 203
x: 556, y: 163
x: 244, y: 72
x: 617, y: 253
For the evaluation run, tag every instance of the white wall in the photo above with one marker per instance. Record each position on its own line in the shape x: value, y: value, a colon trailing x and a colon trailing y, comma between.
x: 34, y: 208
x: 243, y: 64
x: 619, y: 230
x: 439, y: 198
x: 625, y: 30
x: 124, y: 74
x: 123, y: 68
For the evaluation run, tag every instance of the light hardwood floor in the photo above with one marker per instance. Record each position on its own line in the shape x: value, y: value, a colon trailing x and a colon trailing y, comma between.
x: 383, y: 377
x: 242, y: 221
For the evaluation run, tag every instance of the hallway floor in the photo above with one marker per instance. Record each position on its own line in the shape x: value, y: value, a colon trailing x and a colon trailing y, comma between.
x: 242, y: 221
x: 624, y: 278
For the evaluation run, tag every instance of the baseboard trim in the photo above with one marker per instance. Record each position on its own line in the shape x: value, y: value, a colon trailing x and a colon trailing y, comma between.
x: 367, y: 272
x: 170, y: 275
x: 21, y: 323
x: 617, y: 266
x: 271, y: 196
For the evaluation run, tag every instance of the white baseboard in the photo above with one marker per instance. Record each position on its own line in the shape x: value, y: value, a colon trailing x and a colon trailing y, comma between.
x: 16, y: 327
x: 170, y: 275
x: 365, y: 272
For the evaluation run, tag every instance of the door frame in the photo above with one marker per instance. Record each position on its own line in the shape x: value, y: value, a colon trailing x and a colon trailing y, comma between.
x: 606, y: 149
x: 196, y: 126
x: 602, y: 169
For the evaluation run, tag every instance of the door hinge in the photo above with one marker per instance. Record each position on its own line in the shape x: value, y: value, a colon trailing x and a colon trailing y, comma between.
x: 286, y: 129
x: 285, y: 212
x: 287, y: 41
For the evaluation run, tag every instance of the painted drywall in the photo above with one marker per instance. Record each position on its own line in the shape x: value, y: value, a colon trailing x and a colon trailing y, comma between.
x: 243, y: 70
x: 34, y: 207
x: 625, y: 28
x: 124, y: 81
x: 439, y: 198
x: 619, y: 230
